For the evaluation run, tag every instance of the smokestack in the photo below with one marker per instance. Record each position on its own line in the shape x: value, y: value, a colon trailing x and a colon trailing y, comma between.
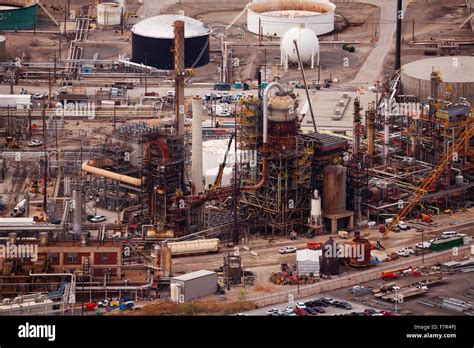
x: 399, y: 35
x: 357, y: 129
x: 370, y: 119
x: 197, y: 146
x: 179, y: 70
x: 77, y: 221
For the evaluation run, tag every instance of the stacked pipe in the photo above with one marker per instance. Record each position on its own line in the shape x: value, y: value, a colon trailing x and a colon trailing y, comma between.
x: 180, y: 72
x: 370, y: 119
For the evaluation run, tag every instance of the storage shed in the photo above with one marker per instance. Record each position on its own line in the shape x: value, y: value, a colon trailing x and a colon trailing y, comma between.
x: 307, y: 261
x: 193, y: 285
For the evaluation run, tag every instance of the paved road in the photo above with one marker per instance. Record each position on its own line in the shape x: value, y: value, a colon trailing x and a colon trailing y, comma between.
x: 371, y: 70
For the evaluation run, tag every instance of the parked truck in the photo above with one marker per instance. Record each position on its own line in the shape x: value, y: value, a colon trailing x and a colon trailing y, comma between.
x: 192, y: 247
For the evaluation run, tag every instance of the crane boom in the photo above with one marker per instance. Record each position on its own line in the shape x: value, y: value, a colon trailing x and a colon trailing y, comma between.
x: 430, y: 179
x: 218, y: 180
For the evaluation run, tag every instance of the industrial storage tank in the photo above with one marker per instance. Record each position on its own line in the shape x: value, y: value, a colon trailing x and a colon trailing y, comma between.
x: 308, y: 47
x: 152, y: 42
x: 109, y: 14
x: 3, y: 48
x: 18, y: 14
x: 282, y: 121
x: 275, y: 18
x: 330, y: 262
x: 456, y: 72
x: 334, y: 189
x: 362, y: 246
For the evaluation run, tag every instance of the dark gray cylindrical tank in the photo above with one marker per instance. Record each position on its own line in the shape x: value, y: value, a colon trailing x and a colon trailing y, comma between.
x: 334, y: 189
x: 330, y: 262
x: 152, y: 42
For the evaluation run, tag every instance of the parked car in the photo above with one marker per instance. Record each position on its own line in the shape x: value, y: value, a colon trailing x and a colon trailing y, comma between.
x: 319, y: 309
x: 272, y: 311
x: 287, y: 250
x: 387, y: 313
x: 38, y: 96
x: 300, y: 305
x: 346, y: 305
x: 35, y: 143
x: 98, y: 218
x: 406, y: 251
x: 103, y: 303
x: 300, y: 311
x: 327, y: 301
x: 368, y: 312
x: 403, y: 226
x: 311, y: 311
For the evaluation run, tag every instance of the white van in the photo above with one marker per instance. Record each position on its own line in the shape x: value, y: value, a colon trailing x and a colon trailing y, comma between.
x: 448, y: 234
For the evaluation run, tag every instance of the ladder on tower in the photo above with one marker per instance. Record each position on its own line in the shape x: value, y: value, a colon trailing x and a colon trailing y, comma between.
x: 431, y: 178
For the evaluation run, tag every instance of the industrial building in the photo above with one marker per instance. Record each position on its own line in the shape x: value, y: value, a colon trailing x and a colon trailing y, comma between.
x: 193, y: 285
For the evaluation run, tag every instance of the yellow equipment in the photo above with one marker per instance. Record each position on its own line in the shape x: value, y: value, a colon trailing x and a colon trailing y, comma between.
x: 430, y: 179
x: 220, y: 173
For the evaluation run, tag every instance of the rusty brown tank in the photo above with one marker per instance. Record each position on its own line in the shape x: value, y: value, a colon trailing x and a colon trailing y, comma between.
x: 282, y: 122
x: 362, y: 245
x: 334, y: 189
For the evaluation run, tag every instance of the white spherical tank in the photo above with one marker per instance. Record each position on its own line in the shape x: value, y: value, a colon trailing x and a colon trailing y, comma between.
x: 308, y: 46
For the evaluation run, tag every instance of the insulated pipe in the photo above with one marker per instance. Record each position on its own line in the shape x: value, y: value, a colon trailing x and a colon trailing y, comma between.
x: 265, y: 107
x: 262, y: 182
x: 197, y: 182
x: 386, y: 129
x: 111, y: 175
x: 77, y: 199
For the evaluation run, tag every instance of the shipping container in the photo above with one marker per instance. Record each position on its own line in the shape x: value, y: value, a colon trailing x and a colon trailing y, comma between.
x: 444, y: 244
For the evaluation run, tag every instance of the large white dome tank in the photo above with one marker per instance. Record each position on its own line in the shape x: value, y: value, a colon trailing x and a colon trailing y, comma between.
x: 308, y: 46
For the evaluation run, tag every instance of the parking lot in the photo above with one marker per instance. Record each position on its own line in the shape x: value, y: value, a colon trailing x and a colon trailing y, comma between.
x: 330, y: 310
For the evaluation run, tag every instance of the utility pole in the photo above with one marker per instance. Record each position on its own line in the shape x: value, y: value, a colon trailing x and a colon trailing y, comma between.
x: 49, y: 88
x: 413, y: 31
x: 121, y: 20
x: 59, y: 47
x: 54, y: 69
